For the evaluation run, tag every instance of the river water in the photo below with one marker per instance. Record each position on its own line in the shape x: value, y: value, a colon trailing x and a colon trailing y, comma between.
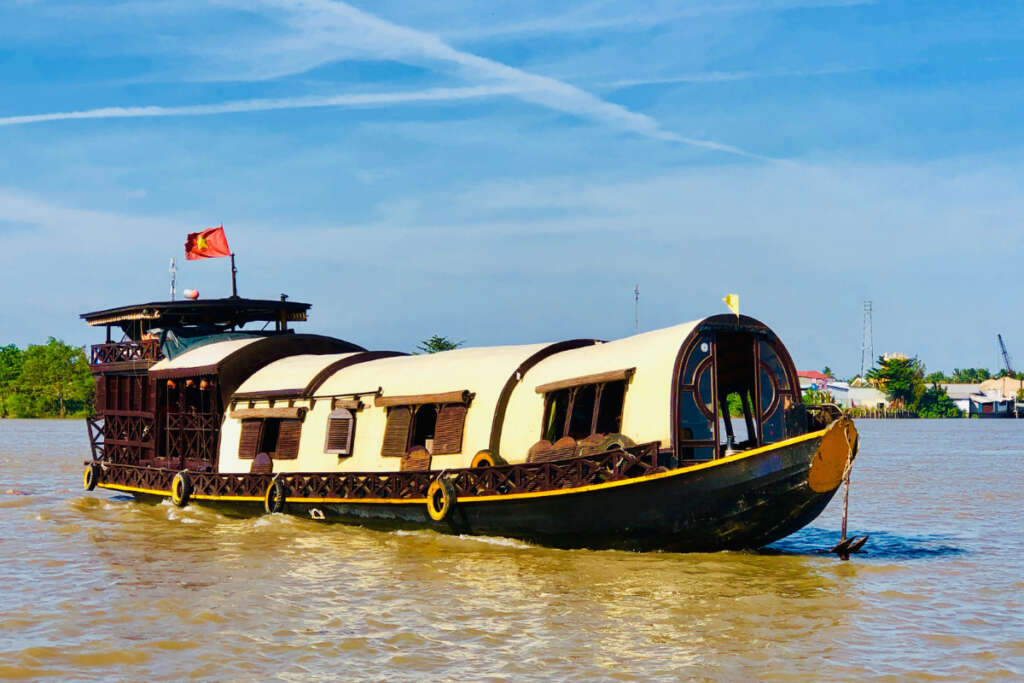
x: 97, y: 586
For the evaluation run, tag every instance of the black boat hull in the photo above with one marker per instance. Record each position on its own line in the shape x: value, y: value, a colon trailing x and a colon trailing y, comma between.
x: 743, y: 501
x: 730, y: 504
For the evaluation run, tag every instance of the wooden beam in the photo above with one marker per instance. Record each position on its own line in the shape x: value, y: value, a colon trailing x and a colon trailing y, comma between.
x: 597, y: 378
x: 347, y: 403
x: 464, y: 396
x: 263, y: 395
x: 262, y: 413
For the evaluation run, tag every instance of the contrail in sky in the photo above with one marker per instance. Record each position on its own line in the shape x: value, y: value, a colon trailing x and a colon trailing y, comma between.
x: 344, y: 24
x: 357, y: 100
x: 331, y: 24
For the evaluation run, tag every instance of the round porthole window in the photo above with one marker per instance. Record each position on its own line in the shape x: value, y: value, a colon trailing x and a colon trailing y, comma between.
x: 704, y: 347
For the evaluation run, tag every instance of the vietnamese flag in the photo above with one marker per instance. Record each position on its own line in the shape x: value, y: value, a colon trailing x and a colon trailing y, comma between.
x: 209, y: 243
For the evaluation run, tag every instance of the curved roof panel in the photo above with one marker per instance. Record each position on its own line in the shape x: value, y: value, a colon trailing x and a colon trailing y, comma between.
x: 646, y: 413
x: 291, y: 372
x: 478, y: 369
x: 203, y: 356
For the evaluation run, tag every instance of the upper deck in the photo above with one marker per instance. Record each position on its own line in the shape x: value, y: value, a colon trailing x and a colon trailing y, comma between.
x: 155, y: 330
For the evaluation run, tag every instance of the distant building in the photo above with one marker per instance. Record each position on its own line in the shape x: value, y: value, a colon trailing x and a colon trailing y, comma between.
x: 867, y: 397
x: 1007, y: 387
x: 986, y: 399
x: 962, y: 394
x: 812, y: 380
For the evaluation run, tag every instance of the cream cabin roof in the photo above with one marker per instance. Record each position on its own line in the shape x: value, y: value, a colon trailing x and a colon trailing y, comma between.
x: 478, y: 369
x: 292, y: 372
x: 202, y: 356
x: 647, y: 410
x: 648, y: 352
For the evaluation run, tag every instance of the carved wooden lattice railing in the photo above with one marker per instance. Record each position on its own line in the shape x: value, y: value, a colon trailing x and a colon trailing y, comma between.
x: 192, y: 437
x: 506, y: 479
x: 119, y: 352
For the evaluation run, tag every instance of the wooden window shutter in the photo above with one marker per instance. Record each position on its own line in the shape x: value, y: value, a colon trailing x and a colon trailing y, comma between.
x: 396, y: 434
x: 448, y: 432
x: 288, y: 440
x: 249, y: 440
x: 340, y: 425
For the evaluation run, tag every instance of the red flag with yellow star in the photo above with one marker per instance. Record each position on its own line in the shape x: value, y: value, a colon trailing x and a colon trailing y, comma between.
x: 209, y: 243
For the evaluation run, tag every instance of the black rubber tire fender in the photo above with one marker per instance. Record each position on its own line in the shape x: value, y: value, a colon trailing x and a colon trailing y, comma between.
x: 91, y: 476
x: 440, y: 499
x: 483, y: 459
x: 181, y: 489
x: 614, y: 442
x: 275, y: 498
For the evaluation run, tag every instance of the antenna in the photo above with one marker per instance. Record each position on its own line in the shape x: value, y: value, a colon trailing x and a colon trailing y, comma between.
x: 173, y: 271
x: 867, y: 351
x: 636, y: 308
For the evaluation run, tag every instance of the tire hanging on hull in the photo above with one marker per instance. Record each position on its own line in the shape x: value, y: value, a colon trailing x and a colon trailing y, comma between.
x: 274, y: 500
x: 440, y: 499
x: 181, y: 489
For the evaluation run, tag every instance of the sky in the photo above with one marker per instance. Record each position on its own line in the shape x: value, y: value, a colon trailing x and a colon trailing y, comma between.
x: 505, y: 173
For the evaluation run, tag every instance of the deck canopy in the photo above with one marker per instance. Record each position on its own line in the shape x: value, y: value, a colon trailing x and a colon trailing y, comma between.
x: 212, y: 315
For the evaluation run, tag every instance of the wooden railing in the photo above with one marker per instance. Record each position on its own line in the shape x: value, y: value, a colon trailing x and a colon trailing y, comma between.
x: 192, y: 437
x: 120, y: 352
x: 505, y: 479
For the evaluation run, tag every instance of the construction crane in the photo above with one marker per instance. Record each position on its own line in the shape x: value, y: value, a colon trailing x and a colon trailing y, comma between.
x: 1006, y: 356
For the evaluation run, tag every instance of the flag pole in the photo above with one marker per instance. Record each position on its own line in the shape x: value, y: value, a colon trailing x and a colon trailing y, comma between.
x: 234, y: 283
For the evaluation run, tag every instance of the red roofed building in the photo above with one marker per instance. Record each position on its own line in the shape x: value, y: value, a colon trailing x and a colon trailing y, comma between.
x: 809, y: 377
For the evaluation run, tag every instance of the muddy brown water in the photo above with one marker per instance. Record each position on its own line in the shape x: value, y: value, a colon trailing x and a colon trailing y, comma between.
x: 97, y: 586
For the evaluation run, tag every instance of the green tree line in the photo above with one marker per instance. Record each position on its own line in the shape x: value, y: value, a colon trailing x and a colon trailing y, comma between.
x: 904, y: 382
x: 45, y: 380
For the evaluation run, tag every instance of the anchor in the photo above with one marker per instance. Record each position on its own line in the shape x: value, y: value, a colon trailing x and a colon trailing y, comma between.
x: 848, y: 546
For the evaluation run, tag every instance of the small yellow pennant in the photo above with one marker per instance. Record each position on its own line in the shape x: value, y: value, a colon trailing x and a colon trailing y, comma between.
x: 733, y: 302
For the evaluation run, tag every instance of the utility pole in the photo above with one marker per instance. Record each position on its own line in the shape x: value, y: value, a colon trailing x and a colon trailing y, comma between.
x: 636, y: 308
x: 867, y: 351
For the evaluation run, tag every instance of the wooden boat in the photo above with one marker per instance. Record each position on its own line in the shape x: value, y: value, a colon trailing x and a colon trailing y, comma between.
x: 579, y: 443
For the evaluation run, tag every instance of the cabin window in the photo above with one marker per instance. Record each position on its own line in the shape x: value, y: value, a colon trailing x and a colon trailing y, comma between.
x: 437, y: 427
x: 695, y: 414
x: 424, y: 420
x: 277, y: 437
x: 584, y: 410
x: 557, y: 409
x: 609, y: 408
x: 340, y: 429
x: 775, y: 394
x: 581, y: 420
